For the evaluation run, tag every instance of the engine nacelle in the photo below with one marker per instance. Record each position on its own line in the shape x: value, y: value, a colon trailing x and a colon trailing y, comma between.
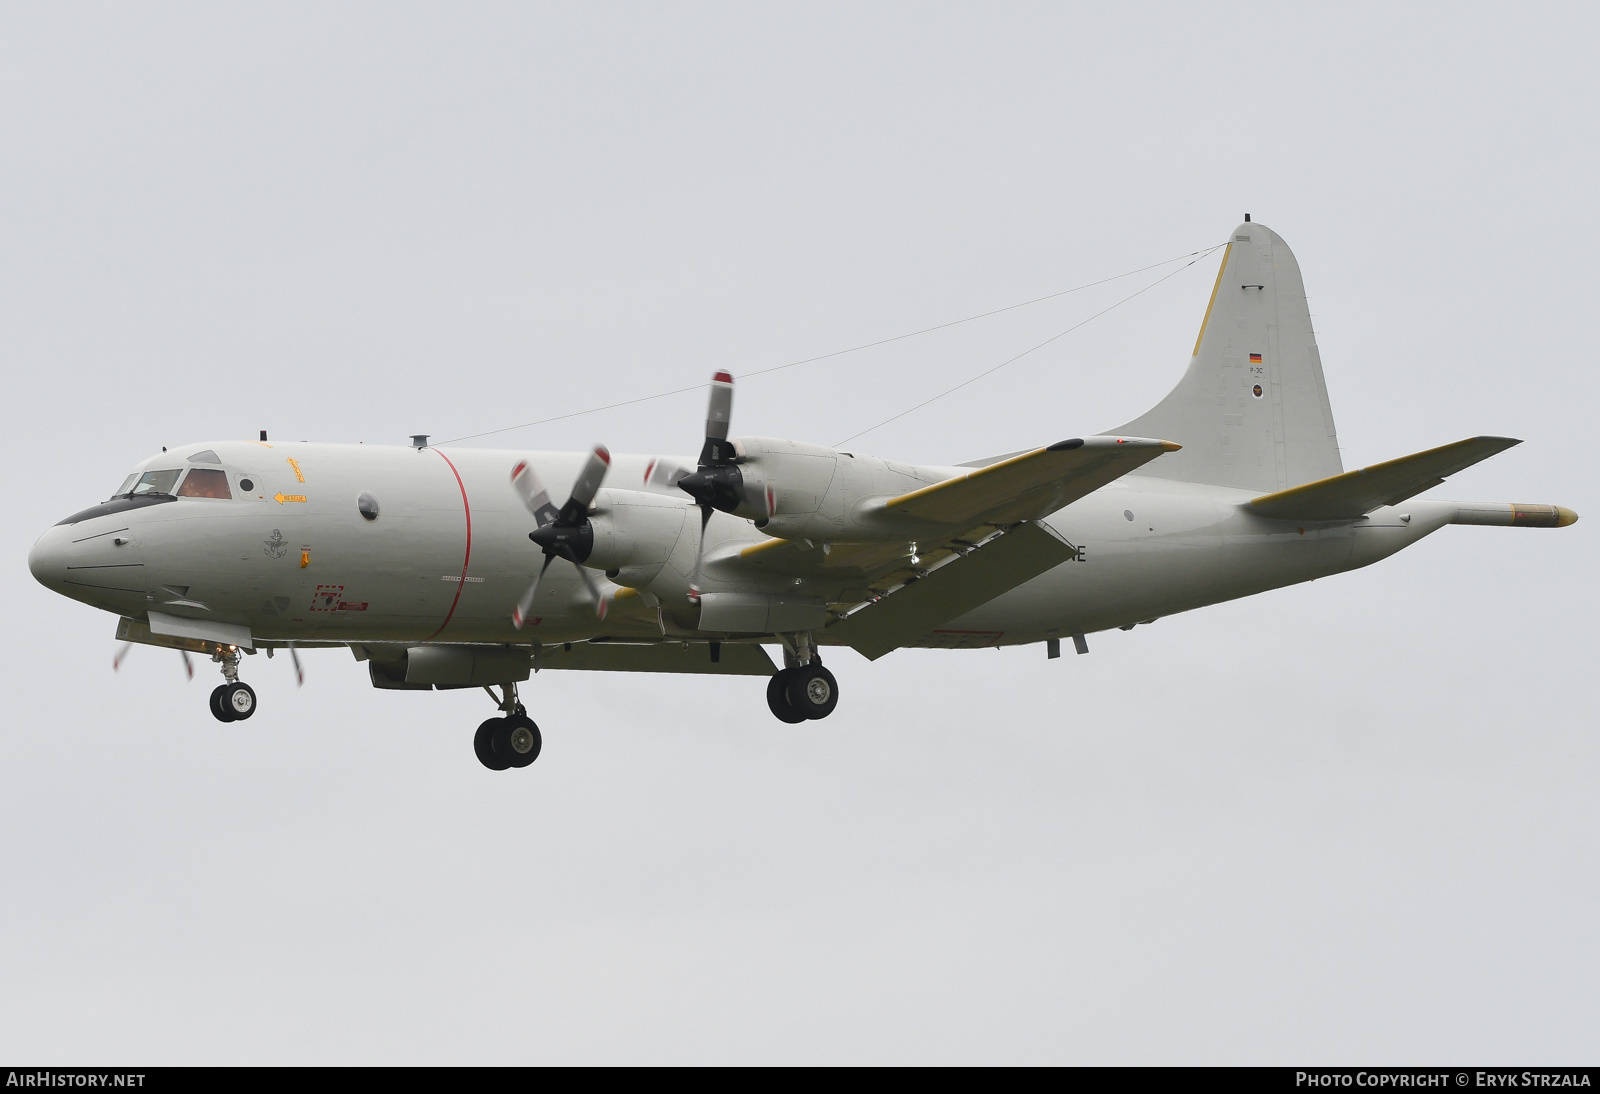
x: 635, y: 531
x: 806, y: 491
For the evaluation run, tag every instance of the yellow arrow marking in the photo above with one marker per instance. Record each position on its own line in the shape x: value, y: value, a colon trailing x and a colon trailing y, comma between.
x: 280, y: 498
x: 294, y: 463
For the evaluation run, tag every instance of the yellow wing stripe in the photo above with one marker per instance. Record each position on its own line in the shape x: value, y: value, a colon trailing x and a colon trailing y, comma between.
x: 893, y: 503
x: 757, y: 548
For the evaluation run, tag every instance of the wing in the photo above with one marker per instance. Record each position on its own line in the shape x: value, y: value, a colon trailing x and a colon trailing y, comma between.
x: 954, y: 588
x: 1356, y: 493
x: 1031, y: 485
x: 963, y: 514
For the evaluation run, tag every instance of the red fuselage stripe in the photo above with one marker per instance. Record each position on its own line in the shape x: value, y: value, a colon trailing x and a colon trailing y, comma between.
x: 466, y: 559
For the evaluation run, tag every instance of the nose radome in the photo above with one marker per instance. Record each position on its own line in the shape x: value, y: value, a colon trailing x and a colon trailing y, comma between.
x: 48, y: 559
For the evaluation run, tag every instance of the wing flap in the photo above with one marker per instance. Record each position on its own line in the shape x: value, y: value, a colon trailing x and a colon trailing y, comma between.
x: 952, y: 589
x: 1356, y: 493
x: 785, y: 556
x: 1031, y: 485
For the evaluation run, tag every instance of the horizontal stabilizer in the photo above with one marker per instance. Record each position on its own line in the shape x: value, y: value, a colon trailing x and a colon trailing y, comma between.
x: 1357, y: 493
x: 953, y: 589
x: 1031, y: 485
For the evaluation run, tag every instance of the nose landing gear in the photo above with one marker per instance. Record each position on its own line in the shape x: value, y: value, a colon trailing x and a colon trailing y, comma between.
x: 511, y: 741
x: 233, y: 700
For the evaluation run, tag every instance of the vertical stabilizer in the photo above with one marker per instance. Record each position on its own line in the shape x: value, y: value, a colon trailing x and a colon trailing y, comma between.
x: 1252, y: 410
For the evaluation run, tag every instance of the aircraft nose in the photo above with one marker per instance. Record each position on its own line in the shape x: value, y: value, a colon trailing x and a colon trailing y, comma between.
x: 48, y: 559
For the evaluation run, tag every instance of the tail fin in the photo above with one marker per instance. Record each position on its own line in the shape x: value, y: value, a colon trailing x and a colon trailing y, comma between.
x: 1252, y: 411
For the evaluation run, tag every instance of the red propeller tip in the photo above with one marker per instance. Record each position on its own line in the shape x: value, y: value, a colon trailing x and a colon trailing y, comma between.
x: 600, y: 450
x: 722, y: 378
x: 517, y: 470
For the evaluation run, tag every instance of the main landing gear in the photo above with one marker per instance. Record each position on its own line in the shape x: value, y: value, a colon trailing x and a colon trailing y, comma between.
x: 802, y: 689
x: 233, y: 700
x: 511, y: 741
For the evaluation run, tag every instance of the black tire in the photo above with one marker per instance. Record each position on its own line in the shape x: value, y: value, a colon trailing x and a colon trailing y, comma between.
x: 516, y: 740
x: 812, y: 691
x: 218, y: 711
x: 778, y: 698
x: 239, y: 698
x: 485, y: 750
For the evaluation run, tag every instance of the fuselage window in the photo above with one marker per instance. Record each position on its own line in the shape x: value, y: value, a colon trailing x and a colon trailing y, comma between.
x: 203, y: 482
x: 368, y: 506
x: 246, y: 485
x: 155, y: 482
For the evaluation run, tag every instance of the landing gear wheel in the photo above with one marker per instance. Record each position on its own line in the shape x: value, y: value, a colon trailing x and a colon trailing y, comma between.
x: 481, y: 744
x: 219, y: 708
x: 778, y: 697
x: 812, y: 691
x: 516, y: 740
x: 239, y: 698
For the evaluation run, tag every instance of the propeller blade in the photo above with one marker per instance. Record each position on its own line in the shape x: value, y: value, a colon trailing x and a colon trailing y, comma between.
x: 188, y: 665
x: 299, y: 673
x: 717, y: 450
x: 699, y: 553
x: 663, y: 473
x: 533, y: 494
x: 519, y: 615
x: 587, y: 486
x: 116, y: 662
x: 594, y: 592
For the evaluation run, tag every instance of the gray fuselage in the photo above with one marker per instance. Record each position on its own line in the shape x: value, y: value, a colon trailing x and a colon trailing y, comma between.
x: 448, y: 554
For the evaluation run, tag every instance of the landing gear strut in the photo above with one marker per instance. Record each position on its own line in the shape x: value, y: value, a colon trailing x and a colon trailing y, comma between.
x: 802, y: 689
x: 233, y: 700
x: 511, y: 741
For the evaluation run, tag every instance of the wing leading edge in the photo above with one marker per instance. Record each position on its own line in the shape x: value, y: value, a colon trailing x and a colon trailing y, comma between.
x: 1030, y: 485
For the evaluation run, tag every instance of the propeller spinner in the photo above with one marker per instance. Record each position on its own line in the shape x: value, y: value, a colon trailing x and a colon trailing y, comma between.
x: 564, y: 532
x: 717, y: 484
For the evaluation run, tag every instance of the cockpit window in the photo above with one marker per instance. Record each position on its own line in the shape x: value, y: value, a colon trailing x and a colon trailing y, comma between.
x: 127, y: 484
x: 203, y: 482
x: 155, y: 482
x: 206, y: 456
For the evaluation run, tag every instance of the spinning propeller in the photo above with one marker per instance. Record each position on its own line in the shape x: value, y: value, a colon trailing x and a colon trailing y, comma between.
x: 188, y: 664
x: 565, y: 532
x: 717, y: 484
x: 122, y: 654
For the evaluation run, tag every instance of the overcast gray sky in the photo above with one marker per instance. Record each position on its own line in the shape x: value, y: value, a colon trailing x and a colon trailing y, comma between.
x: 1350, y: 821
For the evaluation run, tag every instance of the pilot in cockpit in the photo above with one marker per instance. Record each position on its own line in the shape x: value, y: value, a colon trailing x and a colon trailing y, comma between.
x: 200, y: 482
